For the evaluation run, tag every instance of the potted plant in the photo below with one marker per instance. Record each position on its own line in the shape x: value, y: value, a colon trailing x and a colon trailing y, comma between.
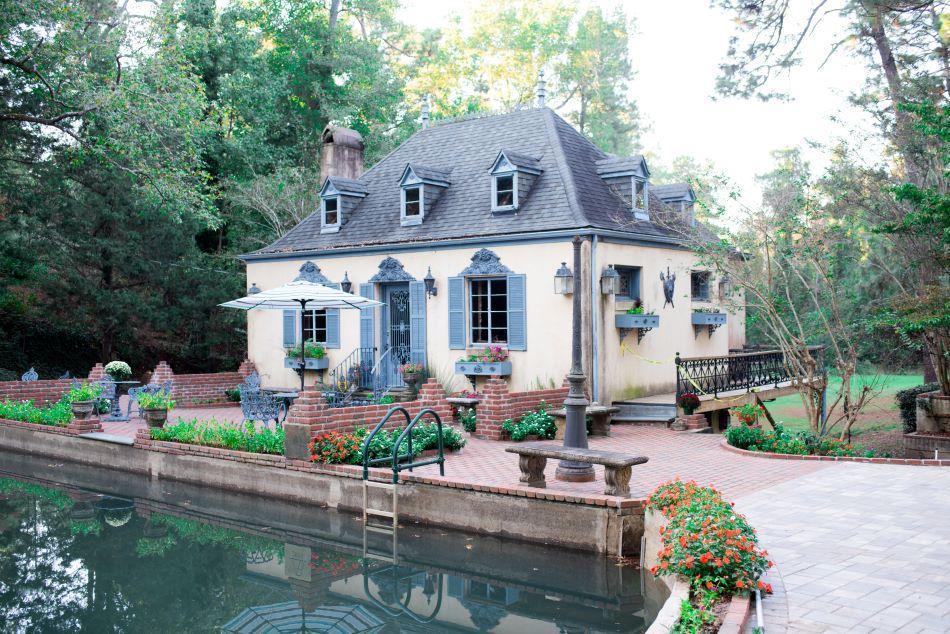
x: 490, y: 361
x: 154, y: 408
x: 636, y: 317
x: 688, y: 402
x: 82, y: 399
x: 118, y: 371
x: 411, y: 373
x: 315, y: 356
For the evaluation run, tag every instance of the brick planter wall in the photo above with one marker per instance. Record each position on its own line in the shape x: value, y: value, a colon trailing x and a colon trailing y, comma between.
x: 200, y: 390
x: 42, y: 393
x: 498, y: 405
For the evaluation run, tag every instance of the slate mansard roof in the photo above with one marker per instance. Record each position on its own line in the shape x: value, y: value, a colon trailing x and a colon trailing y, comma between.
x: 569, y: 194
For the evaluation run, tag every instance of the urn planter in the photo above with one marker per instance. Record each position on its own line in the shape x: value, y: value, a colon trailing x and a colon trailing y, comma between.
x: 483, y: 368
x: 155, y: 417
x: 310, y: 363
x: 82, y: 409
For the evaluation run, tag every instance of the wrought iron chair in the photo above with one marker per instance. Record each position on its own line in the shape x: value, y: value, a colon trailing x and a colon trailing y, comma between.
x: 261, y: 405
x: 66, y: 375
x: 148, y: 388
x: 30, y: 375
x: 252, y: 382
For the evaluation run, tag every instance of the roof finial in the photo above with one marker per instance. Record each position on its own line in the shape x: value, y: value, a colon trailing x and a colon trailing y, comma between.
x: 425, y: 112
x: 542, y: 93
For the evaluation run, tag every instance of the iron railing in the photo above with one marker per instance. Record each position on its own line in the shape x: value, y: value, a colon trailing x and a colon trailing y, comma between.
x: 735, y: 372
x: 349, y: 376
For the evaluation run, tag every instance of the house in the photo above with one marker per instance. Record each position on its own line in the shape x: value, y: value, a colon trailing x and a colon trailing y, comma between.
x: 463, y: 231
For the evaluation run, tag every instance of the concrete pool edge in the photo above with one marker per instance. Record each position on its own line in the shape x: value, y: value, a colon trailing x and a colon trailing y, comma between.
x: 573, y: 523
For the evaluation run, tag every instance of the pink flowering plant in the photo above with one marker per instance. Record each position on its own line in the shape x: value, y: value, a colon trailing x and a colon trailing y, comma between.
x: 491, y: 354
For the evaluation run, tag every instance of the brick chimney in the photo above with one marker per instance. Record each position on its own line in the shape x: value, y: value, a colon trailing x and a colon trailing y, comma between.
x: 341, y: 154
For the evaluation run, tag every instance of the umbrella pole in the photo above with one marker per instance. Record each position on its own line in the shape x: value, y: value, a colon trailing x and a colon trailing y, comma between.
x: 303, y: 335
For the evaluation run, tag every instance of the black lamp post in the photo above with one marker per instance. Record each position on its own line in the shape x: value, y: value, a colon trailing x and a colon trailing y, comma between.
x: 575, y: 427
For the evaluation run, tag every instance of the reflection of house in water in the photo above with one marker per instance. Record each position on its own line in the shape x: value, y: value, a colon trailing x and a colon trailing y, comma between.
x: 416, y: 596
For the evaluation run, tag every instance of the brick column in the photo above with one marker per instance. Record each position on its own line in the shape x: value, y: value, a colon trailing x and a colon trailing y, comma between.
x: 97, y: 372
x: 306, y: 416
x: 247, y: 368
x: 143, y: 439
x: 86, y: 426
x: 432, y: 395
x: 494, y: 408
x: 162, y: 373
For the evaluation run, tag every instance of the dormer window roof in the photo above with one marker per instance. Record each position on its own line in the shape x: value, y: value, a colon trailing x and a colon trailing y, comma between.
x: 513, y: 174
x: 337, y: 195
x: 679, y: 196
x: 629, y: 176
x: 420, y: 187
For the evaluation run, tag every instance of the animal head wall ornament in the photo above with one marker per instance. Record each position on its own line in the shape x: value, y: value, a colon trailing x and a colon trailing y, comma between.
x: 669, y: 283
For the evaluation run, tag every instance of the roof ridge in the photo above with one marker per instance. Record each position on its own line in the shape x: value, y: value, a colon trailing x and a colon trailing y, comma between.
x: 564, y: 170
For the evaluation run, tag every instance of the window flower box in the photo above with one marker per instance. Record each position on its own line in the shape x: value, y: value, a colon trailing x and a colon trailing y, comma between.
x: 483, y: 368
x: 629, y: 321
x: 309, y: 363
x: 709, y: 319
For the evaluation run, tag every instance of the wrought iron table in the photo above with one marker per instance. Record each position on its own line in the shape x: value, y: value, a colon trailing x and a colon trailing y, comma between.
x: 115, y: 412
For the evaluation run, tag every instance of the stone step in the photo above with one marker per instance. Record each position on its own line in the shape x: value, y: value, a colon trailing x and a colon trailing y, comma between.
x: 644, y: 411
x: 641, y: 422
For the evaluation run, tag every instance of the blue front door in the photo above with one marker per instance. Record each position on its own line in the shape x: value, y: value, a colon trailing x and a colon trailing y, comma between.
x: 396, y: 335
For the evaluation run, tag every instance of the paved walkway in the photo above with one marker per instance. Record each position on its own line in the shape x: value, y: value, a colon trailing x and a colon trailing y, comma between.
x: 858, y: 547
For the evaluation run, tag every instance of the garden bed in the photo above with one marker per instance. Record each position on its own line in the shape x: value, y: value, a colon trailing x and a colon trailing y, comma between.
x: 211, y: 433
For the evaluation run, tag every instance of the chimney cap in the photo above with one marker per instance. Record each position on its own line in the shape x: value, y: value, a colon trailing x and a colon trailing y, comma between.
x: 542, y: 92
x: 339, y: 135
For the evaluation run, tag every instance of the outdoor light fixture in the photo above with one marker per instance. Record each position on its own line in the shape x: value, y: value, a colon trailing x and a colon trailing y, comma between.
x: 564, y: 280
x: 346, y: 285
x: 610, y: 281
x: 431, y: 290
x: 253, y: 290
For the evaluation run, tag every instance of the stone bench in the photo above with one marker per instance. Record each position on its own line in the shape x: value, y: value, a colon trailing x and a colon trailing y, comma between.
x: 600, y: 415
x: 533, y: 457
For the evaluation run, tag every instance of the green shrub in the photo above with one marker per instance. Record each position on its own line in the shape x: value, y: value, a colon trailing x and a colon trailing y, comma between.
x: 57, y: 414
x: 118, y: 370
x: 539, y: 422
x: 802, y: 443
x: 907, y: 403
x: 467, y: 418
x: 347, y: 448
x: 83, y: 392
x: 311, y: 350
x: 233, y: 394
x: 211, y: 433
x: 743, y: 436
x: 159, y: 400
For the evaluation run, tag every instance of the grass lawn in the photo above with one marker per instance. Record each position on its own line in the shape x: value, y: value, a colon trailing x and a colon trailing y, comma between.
x: 878, y: 426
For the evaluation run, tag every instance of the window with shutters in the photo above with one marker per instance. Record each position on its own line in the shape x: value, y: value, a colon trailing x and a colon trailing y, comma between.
x: 315, y: 325
x: 488, y: 310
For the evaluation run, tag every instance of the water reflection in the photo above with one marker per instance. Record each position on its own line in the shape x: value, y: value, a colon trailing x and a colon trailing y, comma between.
x: 139, y: 556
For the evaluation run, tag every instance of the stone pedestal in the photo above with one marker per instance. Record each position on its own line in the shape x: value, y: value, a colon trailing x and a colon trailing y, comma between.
x: 84, y: 426
x: 933, y: 412
x: 296, y: 441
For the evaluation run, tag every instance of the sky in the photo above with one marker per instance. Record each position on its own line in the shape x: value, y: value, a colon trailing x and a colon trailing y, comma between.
x: 676, y: 47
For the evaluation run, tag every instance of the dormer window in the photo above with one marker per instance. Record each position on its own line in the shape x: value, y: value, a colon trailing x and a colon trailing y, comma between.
x: 338, y: 198
x: 331, y: 214
x: 629, y: 178
x: 512, y: 176
x: 420, y: 187
x: 412, y: 201
x: 505, y: 192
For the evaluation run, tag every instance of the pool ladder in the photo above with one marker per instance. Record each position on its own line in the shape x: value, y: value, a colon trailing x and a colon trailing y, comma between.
x: 399, y: 462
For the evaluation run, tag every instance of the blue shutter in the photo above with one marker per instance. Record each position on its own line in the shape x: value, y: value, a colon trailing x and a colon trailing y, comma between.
x: 457, y: 313
x: 290, y: 328
x: 417, y: 322
x: 368, y: 318
x: 333, y: 324
x: 517, y: 333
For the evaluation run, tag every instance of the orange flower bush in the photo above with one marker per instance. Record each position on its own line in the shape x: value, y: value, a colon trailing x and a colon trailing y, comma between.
x: 338, y: 447
x: 707, y: 541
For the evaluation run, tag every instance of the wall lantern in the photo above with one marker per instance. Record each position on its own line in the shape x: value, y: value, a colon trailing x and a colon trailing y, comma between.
x: 564, y: 280
x: 346, y: 285
x: 253, y: 290
x: 610, y: 281
x: 431, y: 290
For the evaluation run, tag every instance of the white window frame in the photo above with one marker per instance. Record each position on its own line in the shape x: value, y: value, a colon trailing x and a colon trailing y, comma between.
x: 328, y: 228
x: 417, y: 219
x: 514, y: 192
x: 470, y: 310
x: 708, y: 286
x: 311, y: 332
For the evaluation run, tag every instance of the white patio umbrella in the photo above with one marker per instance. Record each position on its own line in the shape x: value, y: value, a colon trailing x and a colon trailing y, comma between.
x: 308, y: 290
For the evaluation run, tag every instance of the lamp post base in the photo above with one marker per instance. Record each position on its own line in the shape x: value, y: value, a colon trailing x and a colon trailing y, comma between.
x: 574, y: 472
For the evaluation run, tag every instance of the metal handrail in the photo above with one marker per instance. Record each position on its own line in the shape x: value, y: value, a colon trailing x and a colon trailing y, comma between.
x: 405, y: 436
x: 712, y: 375
x: 404, y: 605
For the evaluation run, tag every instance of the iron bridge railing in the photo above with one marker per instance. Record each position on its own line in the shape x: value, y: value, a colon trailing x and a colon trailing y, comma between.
x: 713, y: 375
